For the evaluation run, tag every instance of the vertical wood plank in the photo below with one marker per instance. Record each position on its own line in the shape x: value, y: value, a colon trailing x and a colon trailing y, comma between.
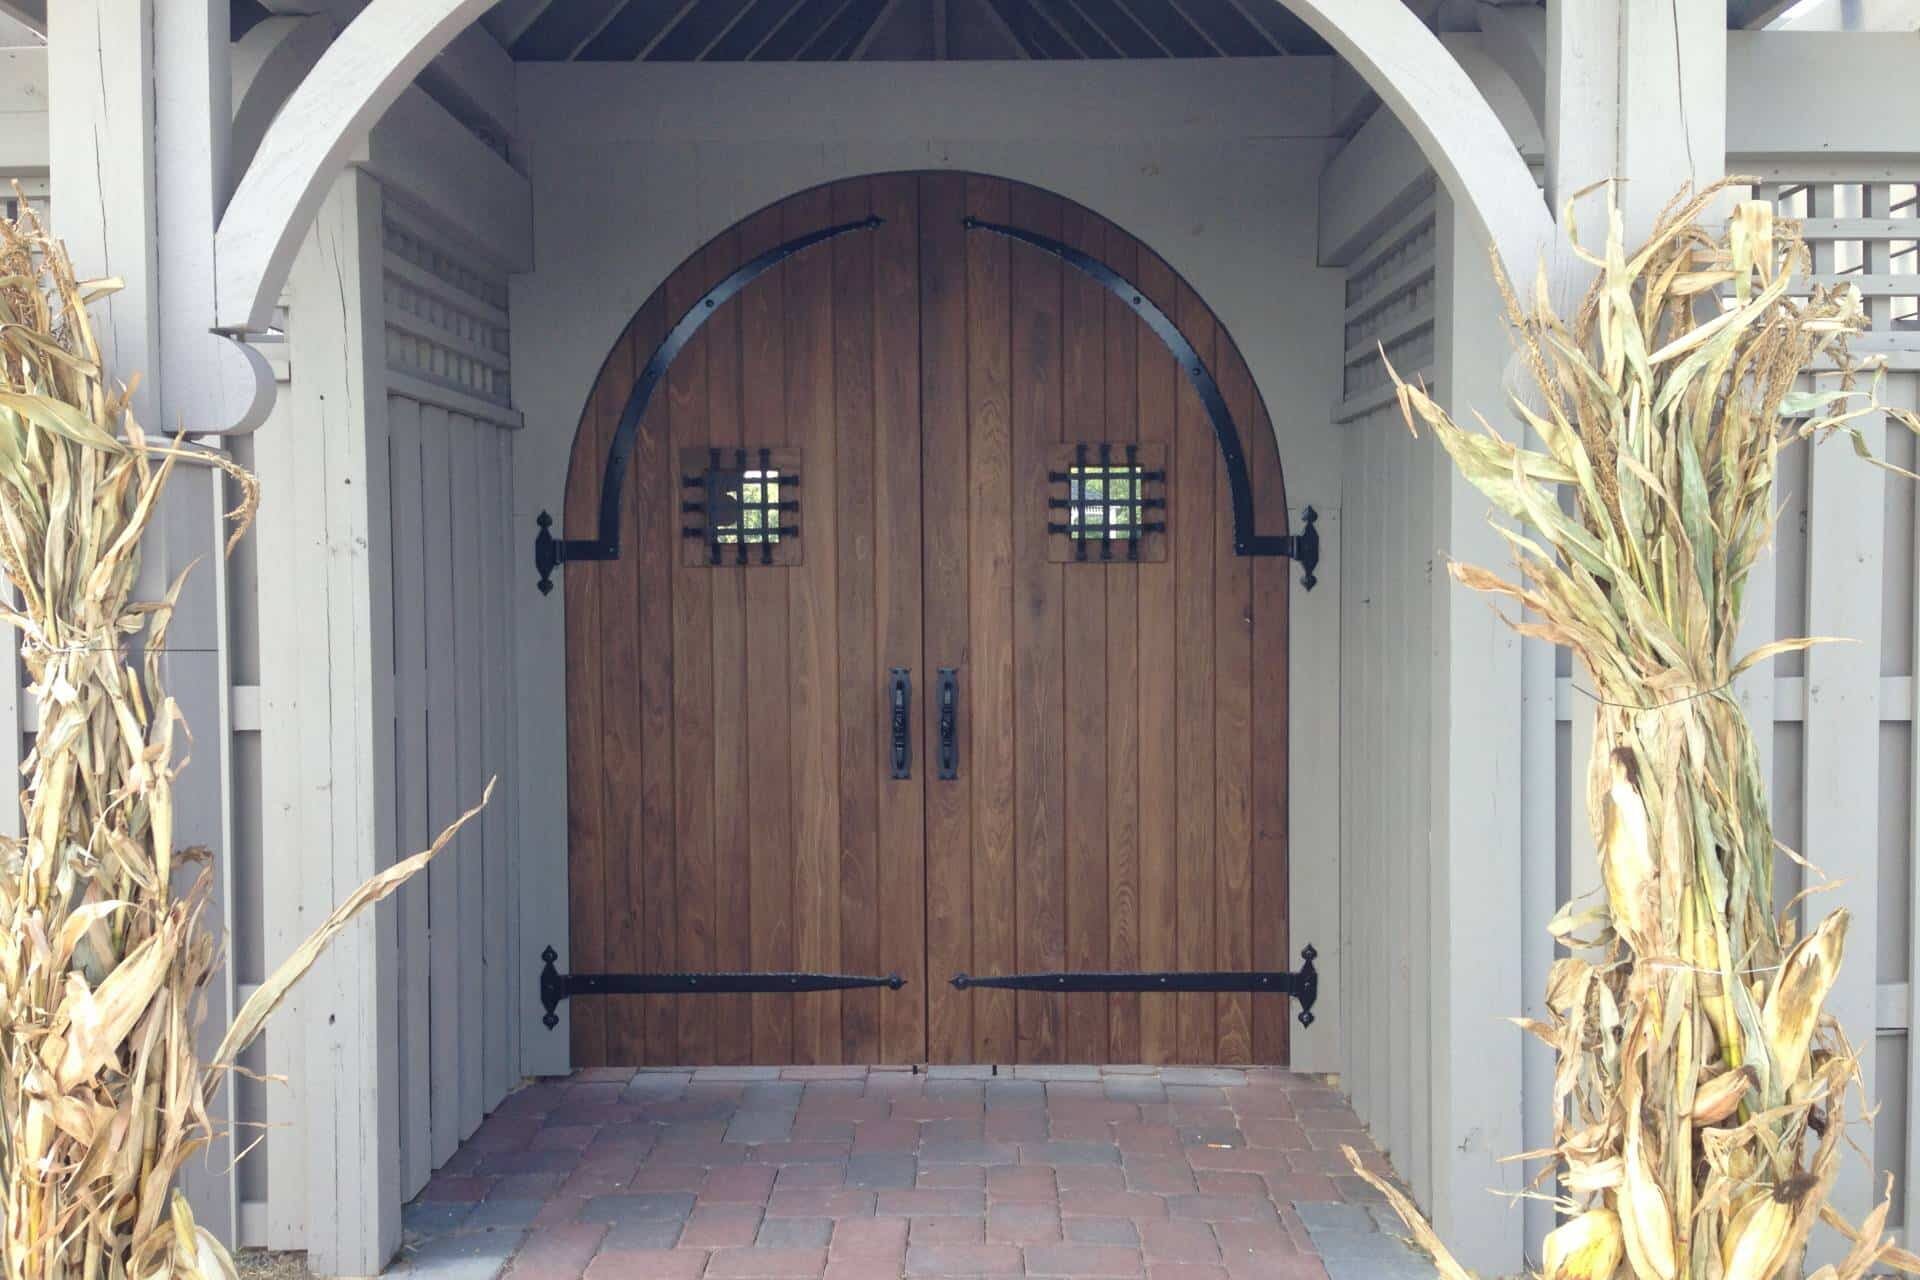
x: 1233, y: 738
x: 410, y: 786
x: 1086, y: 682
x: 861, y: 709
x: 443, y: 732
x: 618, y: 746
x: 902, y: 815
x: 1121, y: 401
x: 693, y: 722
x: 1038, y: 678
x: 493, y: 509
x: 1272, y: 589
x: 813, y: 630
x: 1192, y: 533
x: 655, y: 542
x: 991, y: 625
x: 732, y: 832
x: 1842, y: 732
x: 283, y: 784
x: 470, y: 850
x: 1159, y: 389
x: 763, y: 403
x: 945, y: 397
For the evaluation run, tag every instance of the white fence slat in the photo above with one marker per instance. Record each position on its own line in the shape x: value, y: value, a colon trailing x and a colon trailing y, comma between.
x: 508, y: 796
x: 1398, y: 848
x: 281, y: 816
x: 489, y: 513
x: 1841, y: 784
x: 410, y: 757
x: 470, y: 854
x: 443, y: 801
x: 354, y: 1169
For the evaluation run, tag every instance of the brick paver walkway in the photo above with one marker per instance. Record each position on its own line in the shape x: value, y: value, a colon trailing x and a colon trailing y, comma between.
x: 1175, y: 1173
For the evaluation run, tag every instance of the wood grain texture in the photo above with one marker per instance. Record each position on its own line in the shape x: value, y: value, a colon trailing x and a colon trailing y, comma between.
x: 946, y: 553
x: 769, y: 795
x: 901, y: 816
x: 732, y: 828
x: 1122, y: 730
x: 990, y: 617
x: 1039, y: 747
x: 1194, y: 530
x: 813, y: 631
x: 688, y: 426
x: 1272, y: 591
x: 1233, y: 743
x: 1121, y: 402
x: 1088, y: 702
x: 861, y: 704
x: 620, y: 716
x: 1159, y: 383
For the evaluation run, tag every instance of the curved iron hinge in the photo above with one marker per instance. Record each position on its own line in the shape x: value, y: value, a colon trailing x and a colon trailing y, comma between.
x: 549, y: 552
x: 1303, y: 547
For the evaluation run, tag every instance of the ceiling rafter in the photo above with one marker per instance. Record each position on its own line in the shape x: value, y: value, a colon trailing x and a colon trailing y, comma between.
x: 841, y: 32
x: 1274, y: 38
x: 697, y: 31
x: 1174, y: 33
x: 1043, y: 38
x: 793, y: 34
x: 999, y: 22
x: 1122, y: 28
x: 1089, y: 39
x: 861, y: 47
x: 1175, y: 7
x: 1228, y: 28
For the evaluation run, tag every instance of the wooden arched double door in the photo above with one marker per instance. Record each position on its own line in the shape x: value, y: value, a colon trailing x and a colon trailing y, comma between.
x: 1118, y: 752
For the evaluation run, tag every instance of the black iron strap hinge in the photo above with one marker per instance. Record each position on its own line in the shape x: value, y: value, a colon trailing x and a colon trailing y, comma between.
x: 549, y: 552
x: 1303, y: 547
x: 1303, y: 986
x: 556, y: 986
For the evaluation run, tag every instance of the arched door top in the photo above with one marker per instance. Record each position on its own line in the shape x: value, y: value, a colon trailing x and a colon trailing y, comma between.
x: 550, y: 552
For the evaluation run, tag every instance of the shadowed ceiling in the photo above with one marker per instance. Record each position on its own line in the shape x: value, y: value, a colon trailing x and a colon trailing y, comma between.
x: 909, y: 30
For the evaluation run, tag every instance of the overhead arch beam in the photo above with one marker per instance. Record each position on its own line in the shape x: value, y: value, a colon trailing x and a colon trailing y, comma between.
x: 1448, y: 117
x: 269, y: 63
x: 324, y: 119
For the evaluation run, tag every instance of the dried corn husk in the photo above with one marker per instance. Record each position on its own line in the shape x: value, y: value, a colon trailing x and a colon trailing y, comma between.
x: 1701, y: 1091
x: 102, y: 1095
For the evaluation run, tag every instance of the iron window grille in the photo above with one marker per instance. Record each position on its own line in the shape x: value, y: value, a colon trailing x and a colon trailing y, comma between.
x: 747, y: 503
x: 1107, y: 501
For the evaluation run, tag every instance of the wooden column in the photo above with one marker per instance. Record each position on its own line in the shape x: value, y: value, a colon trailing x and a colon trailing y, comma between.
x: 124, y: 149
x: 349, y: 1001
x: 1476, y: 829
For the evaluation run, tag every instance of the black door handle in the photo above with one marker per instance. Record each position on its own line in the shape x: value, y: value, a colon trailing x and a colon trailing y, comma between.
x: 899, y: 712
x: 947, y: 693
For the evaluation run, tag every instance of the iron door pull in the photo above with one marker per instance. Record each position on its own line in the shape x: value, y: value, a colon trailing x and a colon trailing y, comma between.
x: 899, y: 711
x: 947, y: 692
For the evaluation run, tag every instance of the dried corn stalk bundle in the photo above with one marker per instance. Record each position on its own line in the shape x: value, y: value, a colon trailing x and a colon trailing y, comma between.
x: 1700, y: 1095
x: 102, y: 1097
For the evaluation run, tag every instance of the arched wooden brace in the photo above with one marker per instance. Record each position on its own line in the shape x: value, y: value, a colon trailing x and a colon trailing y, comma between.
x: 549, y: 552
x: 1247, y: 541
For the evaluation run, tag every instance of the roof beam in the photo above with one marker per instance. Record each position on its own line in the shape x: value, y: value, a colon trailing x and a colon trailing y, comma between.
x: 509, y: 19
x: 1751, y: 15
x: 635, y: 30
x: 29, y: 13
x: 1122, y: 30
x: 697, y: 30
x: 559, y: 32
x: 887, y: 12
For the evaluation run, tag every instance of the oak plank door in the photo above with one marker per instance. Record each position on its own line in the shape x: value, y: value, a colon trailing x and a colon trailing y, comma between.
x: 1120, y: 800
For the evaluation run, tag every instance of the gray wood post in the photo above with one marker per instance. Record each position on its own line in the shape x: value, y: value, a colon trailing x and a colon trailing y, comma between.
x: 111, y: 131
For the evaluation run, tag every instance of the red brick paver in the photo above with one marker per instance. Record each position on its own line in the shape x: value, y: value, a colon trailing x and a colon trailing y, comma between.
x: 857, y: 1174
